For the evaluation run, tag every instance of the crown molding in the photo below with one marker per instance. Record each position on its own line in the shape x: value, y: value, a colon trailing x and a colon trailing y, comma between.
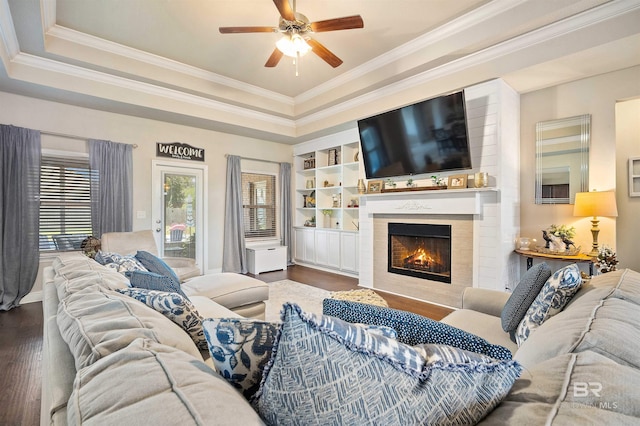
x: 103, y: 45
x: 549, y: 32
x: 451, y: 28
x: 76, y: 72
x: 48, y: 12
x: 8, y: 31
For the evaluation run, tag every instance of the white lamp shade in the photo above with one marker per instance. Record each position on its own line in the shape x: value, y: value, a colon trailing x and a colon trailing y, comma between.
x: 602, y: 203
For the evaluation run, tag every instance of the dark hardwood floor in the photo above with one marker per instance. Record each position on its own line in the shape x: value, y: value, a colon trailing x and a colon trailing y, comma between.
x: 335, y: 282
x: 20, y: 356
x: 21, y: 341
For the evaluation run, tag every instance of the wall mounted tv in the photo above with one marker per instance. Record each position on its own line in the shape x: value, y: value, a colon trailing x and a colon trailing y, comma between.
x: 427, y: 137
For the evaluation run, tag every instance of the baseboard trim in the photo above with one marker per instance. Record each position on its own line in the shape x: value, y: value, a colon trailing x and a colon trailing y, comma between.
x: 34, y: 296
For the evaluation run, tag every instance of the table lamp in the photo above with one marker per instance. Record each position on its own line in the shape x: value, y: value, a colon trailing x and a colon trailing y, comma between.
x: 596, y: 203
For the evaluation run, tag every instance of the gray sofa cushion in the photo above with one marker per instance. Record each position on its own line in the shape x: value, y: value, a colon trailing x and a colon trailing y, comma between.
x: 481, y: 324
x: 147, y: 383
x: 605, y: 320
x: 523, y: 295
x: 572, y: 389
x: 96, y: 322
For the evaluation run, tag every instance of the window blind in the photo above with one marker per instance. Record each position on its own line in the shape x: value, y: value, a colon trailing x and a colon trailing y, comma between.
x: 259, y: 205
x: 65, y: 202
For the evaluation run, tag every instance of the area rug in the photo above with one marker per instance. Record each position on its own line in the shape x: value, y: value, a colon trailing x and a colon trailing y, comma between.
x: 307, y: 297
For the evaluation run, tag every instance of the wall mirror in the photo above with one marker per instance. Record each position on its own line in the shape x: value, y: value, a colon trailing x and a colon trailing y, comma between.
x: 562, y: 159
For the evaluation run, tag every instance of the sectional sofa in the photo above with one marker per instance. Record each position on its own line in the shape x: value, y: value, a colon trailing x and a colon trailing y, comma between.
x: 581, y: 366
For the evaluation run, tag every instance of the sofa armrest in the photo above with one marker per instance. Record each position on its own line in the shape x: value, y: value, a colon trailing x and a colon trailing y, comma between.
x: 489, y: 302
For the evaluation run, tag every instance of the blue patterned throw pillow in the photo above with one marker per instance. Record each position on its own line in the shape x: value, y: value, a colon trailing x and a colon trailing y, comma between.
x: 152, y: 281
x: 122, y: 264
x: 412, y: 329
x: 326, y: 371
x: 554, y: 296
x: 241, y: 348
x: 175, y: 307
x: 155, y: 264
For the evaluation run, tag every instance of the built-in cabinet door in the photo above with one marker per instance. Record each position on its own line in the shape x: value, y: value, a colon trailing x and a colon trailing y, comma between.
x: 299, y: 244
x: 349, y: 252
x: 328, y: 248
x: 334, y: 249
x: 322, y: 247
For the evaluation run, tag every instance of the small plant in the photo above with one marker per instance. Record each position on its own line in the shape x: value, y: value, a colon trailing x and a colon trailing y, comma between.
x: 410, y: 183
x: 390, y: 184
x: 562, y: 231
x: 606, y: 260
x: 327, y: 212
x: 437, y: 181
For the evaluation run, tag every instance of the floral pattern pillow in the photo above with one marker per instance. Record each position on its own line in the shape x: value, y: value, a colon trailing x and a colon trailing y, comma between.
x: 124, y: 264
x: 554, y: 296
x: 241, y: 348
x: 175, y: 307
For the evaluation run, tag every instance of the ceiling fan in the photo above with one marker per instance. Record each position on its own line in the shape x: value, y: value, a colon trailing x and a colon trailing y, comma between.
x: 297, y: 32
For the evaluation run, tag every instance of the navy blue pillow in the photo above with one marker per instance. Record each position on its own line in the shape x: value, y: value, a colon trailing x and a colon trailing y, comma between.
x: 152, y: 281
x: 155, y: 264
x: 412, y: 329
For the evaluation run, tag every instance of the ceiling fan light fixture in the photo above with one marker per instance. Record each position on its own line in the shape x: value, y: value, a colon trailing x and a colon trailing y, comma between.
x: 293, y: 45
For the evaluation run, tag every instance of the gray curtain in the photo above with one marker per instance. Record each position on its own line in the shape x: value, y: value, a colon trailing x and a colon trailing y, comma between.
x: 234, y: 255
x: 286, y: 222
x: 112, y: 192
x: 19, y: 213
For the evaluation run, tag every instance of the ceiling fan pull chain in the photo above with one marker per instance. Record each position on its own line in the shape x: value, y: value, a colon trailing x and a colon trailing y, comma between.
x: 297, y: 60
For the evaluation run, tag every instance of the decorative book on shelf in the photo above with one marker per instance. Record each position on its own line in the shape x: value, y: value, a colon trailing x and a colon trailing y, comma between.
x: 309, y: 163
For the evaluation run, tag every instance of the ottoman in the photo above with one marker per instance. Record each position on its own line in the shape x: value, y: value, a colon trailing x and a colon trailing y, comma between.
x: 242, y: 294
x: 360, y: 295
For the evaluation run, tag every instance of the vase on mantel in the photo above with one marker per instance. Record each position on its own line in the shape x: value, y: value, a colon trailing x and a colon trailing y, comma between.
x: 361, y: 188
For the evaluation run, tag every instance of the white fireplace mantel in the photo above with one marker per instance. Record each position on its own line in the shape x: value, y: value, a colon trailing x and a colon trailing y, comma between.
x: 452, y: 201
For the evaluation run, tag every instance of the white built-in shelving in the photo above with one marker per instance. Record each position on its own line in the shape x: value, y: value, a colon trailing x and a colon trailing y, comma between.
x: 326, y: 178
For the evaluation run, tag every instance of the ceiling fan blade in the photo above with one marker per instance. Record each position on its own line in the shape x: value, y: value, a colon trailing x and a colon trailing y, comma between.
x: 324, y: 53
x: 345, y: 23
x: 285, y: 10
x: 237, y: 30
x: 274, y: 58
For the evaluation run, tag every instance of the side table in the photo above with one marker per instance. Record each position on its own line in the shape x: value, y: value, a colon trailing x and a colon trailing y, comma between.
x: 578, y: 258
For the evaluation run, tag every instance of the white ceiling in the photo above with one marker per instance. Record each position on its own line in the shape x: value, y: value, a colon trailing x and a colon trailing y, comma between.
x: 165, y: 59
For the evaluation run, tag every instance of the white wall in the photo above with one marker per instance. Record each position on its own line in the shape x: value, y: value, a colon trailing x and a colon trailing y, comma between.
x: 60, y: 118
x: 596, y: 96
x: 627, y: 145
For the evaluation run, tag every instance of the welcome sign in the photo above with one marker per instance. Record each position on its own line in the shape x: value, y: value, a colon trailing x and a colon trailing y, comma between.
x: 178, y: 150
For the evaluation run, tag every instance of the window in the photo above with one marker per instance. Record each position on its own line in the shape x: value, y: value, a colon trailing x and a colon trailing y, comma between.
x: 65, y: 202
x: 259, y: 205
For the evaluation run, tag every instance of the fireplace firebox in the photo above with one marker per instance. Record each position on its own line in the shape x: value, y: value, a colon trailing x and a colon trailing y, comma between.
x: 420, y: 250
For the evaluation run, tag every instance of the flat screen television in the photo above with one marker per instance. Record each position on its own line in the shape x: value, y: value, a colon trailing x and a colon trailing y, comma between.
x: 427, y: 137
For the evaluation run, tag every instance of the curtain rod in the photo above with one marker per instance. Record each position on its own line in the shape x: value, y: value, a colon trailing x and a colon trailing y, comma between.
x: 64, y: 135
x: 255, y: 159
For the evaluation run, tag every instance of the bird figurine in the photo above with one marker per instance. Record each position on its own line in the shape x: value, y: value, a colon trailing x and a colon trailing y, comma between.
x: 568, y: 242
x: 547, y: 238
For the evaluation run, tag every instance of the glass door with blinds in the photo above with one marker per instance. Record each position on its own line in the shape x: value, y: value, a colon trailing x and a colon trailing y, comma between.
x: 65, y: 201
x: 178, y: 210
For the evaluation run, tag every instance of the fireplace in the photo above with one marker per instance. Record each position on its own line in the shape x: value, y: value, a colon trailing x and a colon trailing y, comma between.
x: 420, y: 250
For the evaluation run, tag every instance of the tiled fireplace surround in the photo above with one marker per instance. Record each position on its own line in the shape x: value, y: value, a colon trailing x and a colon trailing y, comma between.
x: 484, y: 222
